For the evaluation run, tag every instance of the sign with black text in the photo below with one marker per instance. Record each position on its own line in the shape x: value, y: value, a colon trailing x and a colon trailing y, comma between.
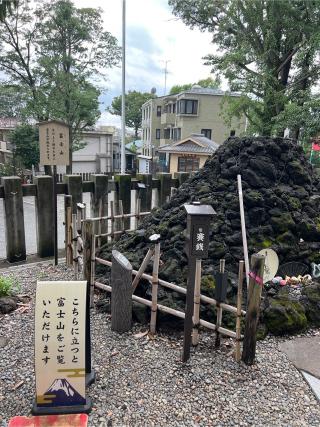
x: 54, y: 143
x: 60, y: 325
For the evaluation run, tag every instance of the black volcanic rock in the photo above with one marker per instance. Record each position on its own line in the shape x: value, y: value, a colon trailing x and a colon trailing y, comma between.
x: 278, y: 198
x: 281, y: 202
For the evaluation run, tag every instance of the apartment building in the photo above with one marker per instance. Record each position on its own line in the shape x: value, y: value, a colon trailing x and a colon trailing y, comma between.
x: 174, y: 117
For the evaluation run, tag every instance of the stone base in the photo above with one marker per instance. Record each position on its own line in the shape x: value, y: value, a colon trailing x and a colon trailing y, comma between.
x: 90, y: 377
x: 61, y: 410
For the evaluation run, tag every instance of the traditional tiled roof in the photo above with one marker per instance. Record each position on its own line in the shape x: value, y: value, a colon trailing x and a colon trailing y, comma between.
x: 195, y: 143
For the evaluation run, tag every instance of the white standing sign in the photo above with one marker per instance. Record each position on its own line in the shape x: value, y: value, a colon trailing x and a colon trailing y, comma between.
x: 54, y: 143
x: 60, y: 325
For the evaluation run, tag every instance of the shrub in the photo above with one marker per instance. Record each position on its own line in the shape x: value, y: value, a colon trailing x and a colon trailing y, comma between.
x: 9, y: 285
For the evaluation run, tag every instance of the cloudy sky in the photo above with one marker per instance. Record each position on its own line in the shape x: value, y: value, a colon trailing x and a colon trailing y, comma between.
x: 154, y: 36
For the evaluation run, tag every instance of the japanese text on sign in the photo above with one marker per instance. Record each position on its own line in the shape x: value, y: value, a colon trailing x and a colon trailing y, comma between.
x: 54, y: 143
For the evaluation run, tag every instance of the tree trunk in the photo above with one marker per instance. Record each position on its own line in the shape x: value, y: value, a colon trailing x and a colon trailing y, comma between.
x: 69, y: 166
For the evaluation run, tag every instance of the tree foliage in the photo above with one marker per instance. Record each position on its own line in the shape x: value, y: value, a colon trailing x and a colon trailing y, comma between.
x: 209, y: 82
x: 52, y: 51
x: 268, y: 51
x: 7, y: 7
x: 133, y: 103
x: 25, y: 140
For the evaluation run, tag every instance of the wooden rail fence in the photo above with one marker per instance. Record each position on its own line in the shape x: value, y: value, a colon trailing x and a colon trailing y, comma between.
x: 102, y: 189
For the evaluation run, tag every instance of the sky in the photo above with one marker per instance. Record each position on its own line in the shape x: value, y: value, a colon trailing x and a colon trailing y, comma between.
x: 153, y: 36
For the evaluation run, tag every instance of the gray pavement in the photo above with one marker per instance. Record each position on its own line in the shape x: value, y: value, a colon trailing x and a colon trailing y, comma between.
x: 30, y: 224
x: 304, y: 353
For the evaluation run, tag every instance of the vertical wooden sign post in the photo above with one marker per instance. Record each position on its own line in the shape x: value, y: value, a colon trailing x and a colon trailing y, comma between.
x: 198, y: 221
x: 60, y: 348
x: 54, y: 151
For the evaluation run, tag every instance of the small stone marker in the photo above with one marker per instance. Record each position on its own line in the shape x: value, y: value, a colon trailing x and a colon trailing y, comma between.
x: 121, y: 298
x: 60, y: 338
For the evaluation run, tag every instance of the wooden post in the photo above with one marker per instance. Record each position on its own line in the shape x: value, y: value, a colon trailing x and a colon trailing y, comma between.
x: 165, y: 187
x: 122, y: 220
x: 74, y: 188
x: 243, y: 229
x: 75, y: 246
x: 93, y: 269
x: 112, y: 220
x: 137, y: 218
x: 189, y: 309
x: 142, y: 268
x: 99, y: 195
x: 196, y: 308
x: 145, y: 194
x: 68, y: 228
x: 239, y: 304
x: 219, y: 309
x: 252, y: 316
x: 14, y: 221
x: 121, y: 299
x: 44, y: 215
x: 123, y: 193
x: 87, y: 253
x: 155, y: 281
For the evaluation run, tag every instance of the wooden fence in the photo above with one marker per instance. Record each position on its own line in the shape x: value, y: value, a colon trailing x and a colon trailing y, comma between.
x: 99, y: 186
x: 89, y: 265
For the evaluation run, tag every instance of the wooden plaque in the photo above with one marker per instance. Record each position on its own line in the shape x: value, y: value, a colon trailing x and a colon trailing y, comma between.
x: 60, y: 325
x: 54, y: 143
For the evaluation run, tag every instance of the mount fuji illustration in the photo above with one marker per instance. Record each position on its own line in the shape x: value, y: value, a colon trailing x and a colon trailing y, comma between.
x: 61, y: 393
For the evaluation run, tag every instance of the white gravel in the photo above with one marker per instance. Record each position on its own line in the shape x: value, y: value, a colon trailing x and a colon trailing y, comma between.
x: 141, y: 382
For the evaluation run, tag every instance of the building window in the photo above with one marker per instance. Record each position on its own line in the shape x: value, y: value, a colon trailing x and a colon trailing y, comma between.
x: 157, y: 133
x: 187, y: 106
x: 232, y: 133
x: 159, y: 111
x: 188, y: 164
x: 173, y: 108
x: 206, y: 133
x: 166, y: 133
x: 176, y: 134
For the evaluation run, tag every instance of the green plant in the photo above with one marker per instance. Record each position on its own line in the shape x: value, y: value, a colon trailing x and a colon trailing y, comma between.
x: 9, y: 285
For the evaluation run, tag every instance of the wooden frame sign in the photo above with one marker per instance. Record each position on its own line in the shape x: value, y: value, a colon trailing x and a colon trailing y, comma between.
x: 54, y: 143
x: 60, y: 329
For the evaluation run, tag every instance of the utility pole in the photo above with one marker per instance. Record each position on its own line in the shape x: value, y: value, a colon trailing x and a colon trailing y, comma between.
x: 166, y: 72
x: 123, y: 112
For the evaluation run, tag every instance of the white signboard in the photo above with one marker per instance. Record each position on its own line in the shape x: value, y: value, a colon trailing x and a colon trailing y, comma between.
x: 60, y: 325
x: 54, y: 143
x: 271, y: 264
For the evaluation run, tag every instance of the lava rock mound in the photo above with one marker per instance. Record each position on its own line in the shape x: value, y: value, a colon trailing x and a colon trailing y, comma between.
x: 281, y: 202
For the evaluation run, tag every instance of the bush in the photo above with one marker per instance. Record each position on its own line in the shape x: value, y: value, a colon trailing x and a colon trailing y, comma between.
x: 9, y: 285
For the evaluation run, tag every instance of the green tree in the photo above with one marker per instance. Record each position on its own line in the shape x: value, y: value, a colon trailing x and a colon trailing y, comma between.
x: 267, y: 51
x: 53, y: 51
x: 205, y: 83
x: 25, y: 140
x: 134, y: 101
x: 6, y: 8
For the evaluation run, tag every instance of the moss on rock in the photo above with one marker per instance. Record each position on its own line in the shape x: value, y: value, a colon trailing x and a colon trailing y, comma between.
x: 284, y: 316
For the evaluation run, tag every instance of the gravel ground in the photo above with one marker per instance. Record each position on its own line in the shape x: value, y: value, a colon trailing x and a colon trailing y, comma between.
x: 141, y: 382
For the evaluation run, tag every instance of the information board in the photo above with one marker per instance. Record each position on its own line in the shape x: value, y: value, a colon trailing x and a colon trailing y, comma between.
x: 54, y: 143
x: 60, y: 325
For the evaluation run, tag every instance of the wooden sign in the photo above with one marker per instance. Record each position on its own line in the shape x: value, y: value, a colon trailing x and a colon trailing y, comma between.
x: 60, y: 325
x: 54, y: 143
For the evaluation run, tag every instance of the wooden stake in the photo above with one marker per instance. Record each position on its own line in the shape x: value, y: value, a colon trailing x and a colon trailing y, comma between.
x: 112, y: 219
x: 239, y: 304
x: 74, y: 246
x: 243, y: 230
x: 252, y: 316
x: 219, y: 308
x: 189, y: 309
x: 142, y: 268
x: 122, y: 228
x: 196, y: 306
x: 93, y: 268
x: 99, y: 223
x: 138, y: 212
x: 155, y: 272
